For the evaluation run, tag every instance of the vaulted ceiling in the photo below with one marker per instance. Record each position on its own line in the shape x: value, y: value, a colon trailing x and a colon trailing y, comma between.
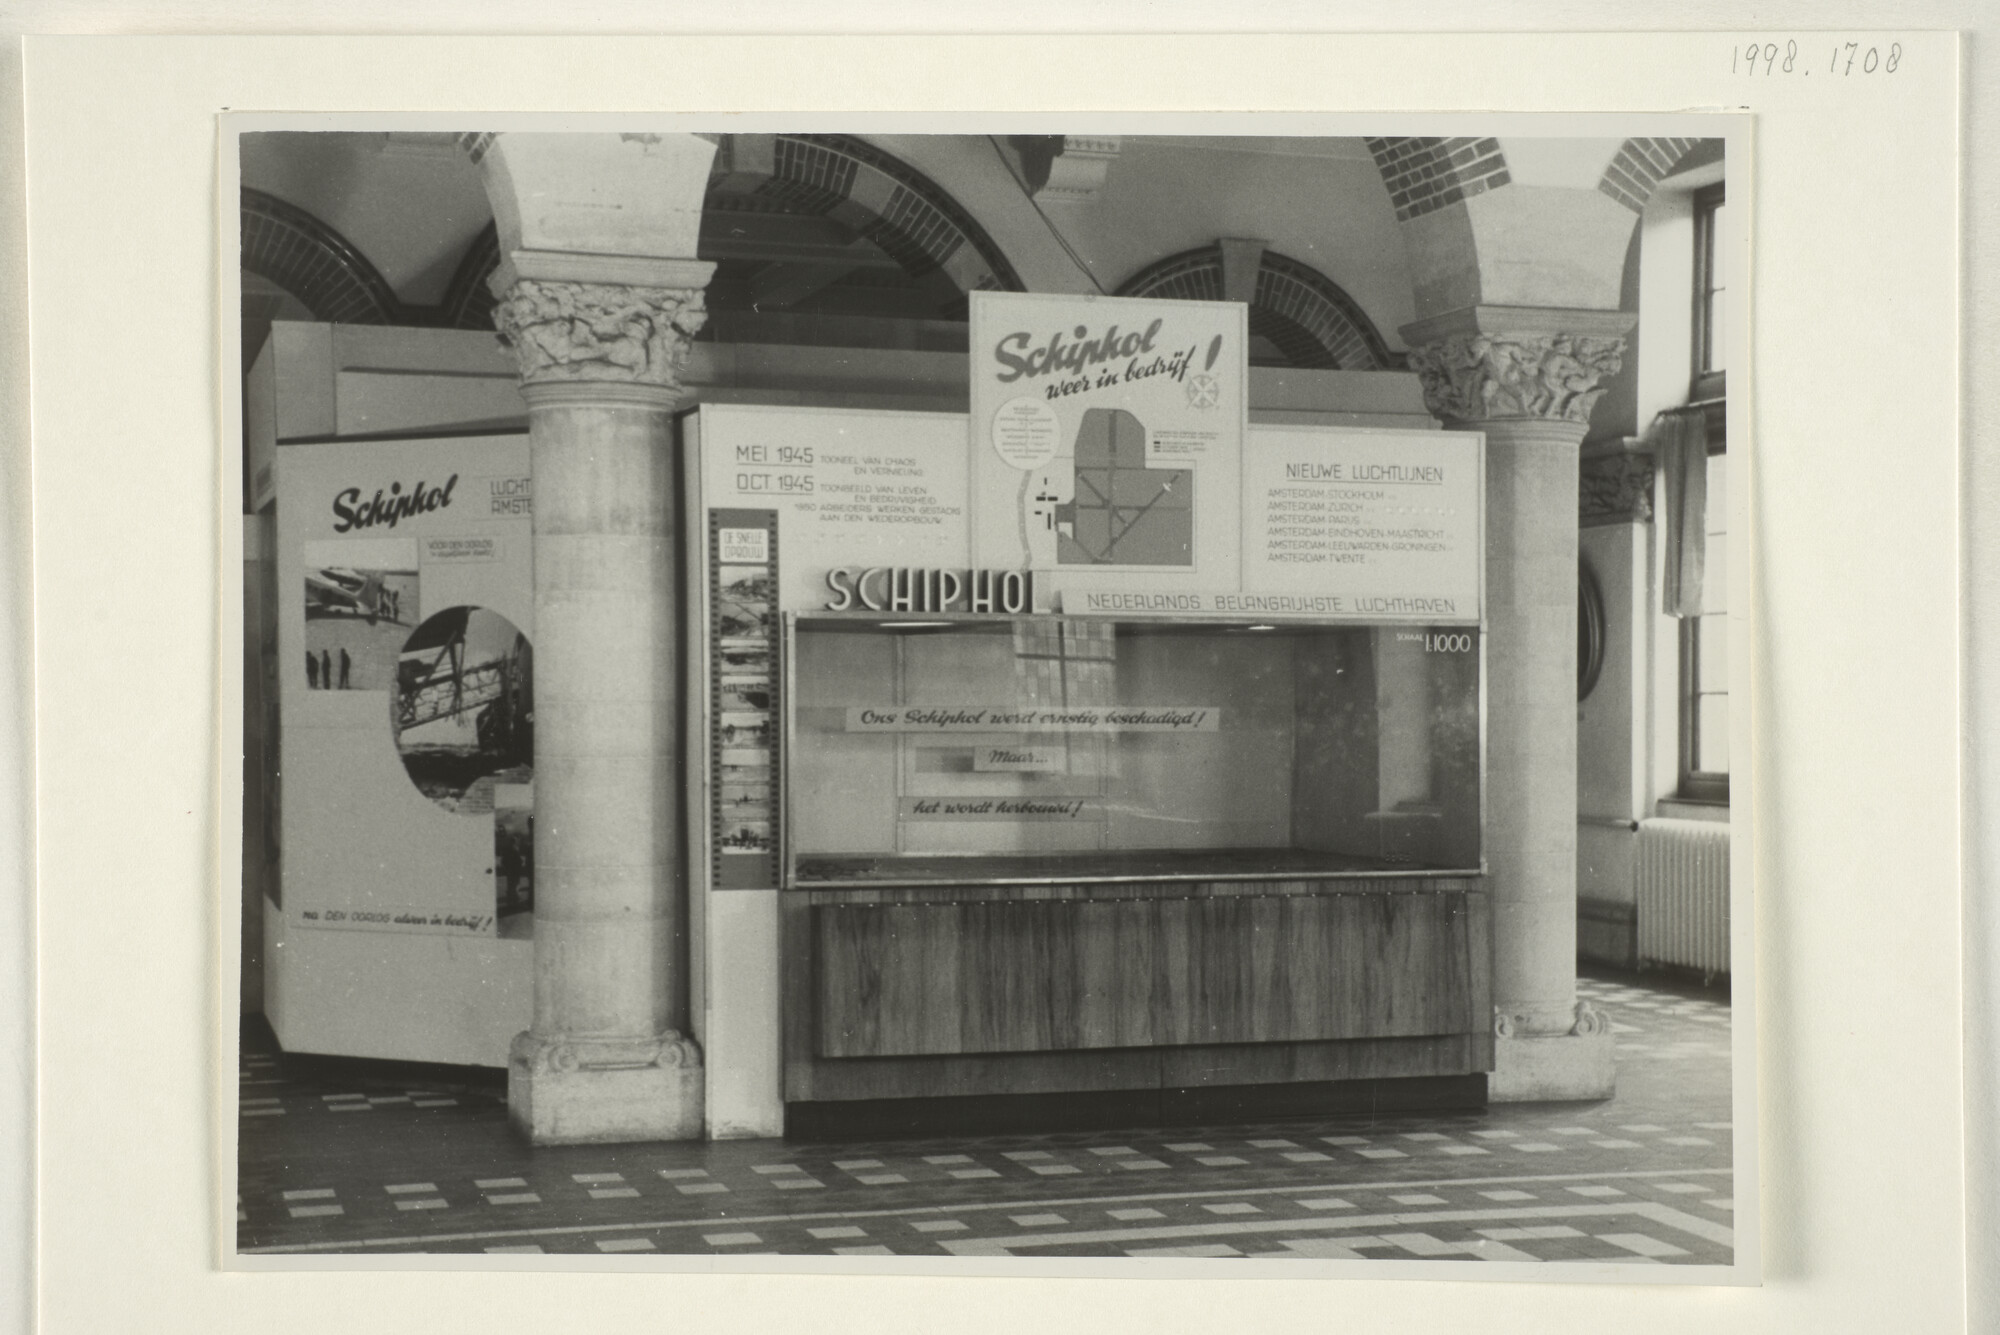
x: 867, y: 240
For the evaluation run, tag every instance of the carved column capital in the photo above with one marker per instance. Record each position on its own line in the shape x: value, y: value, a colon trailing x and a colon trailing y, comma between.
x: 1496, y: 363
x: 570, y: 333
x: 1616, y: 487
x: 1480, y: 377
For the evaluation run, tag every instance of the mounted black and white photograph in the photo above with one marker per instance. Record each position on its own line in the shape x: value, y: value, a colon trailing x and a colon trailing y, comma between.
x: 1158, y: 695
x: 464, y: 706
x: 361, y: 601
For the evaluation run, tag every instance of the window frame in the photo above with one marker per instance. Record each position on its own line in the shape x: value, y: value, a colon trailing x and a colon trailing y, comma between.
x: 1707, y: 389
x: 1704, y: 384
x: 1698, y: 785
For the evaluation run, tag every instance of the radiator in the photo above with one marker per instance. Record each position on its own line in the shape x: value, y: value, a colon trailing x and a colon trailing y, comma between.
x: 1683, y: 894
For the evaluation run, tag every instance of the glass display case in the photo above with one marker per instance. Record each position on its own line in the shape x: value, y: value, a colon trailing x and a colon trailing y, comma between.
x: 1055, y: 749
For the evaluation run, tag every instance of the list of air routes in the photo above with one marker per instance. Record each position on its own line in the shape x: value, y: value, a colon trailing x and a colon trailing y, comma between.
x: 1393, y: 527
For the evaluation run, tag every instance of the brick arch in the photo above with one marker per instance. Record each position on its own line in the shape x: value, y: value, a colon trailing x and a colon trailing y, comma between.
x: 290, y: 247
x: 1635, y: 172
x: 1424, y: 175
x: 468, y: 303
x: 878, y: 196
x: 336, y: 282
x: 1305, y: 314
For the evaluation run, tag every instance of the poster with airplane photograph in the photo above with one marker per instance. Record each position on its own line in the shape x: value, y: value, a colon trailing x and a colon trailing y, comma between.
x: 361, y: 602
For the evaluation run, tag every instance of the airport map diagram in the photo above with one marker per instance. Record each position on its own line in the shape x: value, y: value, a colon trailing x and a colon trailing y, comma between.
x: 1100, y: 504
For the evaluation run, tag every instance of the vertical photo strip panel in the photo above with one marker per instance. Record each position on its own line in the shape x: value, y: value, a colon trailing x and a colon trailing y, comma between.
x: 743, y: 698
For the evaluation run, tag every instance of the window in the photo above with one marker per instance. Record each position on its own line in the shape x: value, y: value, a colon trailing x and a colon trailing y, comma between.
x: 1711, y: 308
x: 1704, y: 767
x: 1704, y: 647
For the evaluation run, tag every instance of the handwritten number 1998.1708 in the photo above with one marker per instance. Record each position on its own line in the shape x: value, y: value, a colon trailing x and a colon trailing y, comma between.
x: 1841, y: 61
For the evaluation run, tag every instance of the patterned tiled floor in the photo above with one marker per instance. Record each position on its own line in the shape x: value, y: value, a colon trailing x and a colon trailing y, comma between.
x: 1643, y: 1177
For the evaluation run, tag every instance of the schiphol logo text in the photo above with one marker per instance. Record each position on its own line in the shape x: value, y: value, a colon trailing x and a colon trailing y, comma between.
x: 389, y: 508
x: 1076, y: 358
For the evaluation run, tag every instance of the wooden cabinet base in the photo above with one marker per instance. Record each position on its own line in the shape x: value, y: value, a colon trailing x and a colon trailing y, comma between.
x: 1207, y: 1106
x: 1137, y: 989
x: 1151, y: 1069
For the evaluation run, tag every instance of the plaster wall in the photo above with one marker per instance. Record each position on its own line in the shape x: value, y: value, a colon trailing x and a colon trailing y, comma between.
x: 361, y: 185
x: 1544, y: 246
x: 1613, y: 746
x: 1343, y: 225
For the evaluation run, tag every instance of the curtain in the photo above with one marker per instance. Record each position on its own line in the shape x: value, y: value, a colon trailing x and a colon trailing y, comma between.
x: 1679, y: 438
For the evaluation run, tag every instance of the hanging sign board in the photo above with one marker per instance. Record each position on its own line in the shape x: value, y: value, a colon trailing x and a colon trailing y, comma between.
x: 1105, y: 435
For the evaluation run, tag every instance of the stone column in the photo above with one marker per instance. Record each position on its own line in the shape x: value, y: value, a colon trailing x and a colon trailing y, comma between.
x: 599, y: 295
x: 1528, y: 378
x: 606, y: 1059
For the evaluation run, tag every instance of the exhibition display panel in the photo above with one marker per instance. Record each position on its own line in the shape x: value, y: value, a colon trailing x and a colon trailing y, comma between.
x: 403, y: 919
x: 1095, y: 741
x: 1099, y: 743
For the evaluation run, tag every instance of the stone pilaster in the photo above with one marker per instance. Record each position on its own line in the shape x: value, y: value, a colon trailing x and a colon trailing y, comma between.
x: 1077, y: 167
x: 600, y: 342
x: 1528, y: 379
x: 1617, y: 485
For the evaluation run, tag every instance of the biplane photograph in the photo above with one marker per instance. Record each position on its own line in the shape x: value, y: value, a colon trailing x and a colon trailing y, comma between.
x: 464, y: 707
x: 339, y: 591
x: 361, y: 600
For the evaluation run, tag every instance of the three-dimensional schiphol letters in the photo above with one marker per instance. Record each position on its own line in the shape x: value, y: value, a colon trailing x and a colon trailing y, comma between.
x: 915, y: 589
